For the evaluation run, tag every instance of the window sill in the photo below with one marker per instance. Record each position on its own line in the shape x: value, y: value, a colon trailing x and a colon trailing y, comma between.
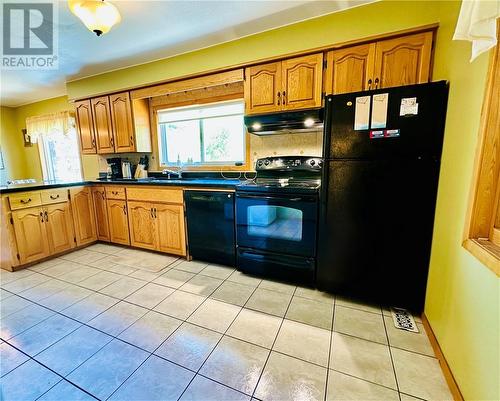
x: 486, y: 252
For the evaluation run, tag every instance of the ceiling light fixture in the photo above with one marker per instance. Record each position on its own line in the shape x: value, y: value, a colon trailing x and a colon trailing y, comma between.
x: 99, y: 16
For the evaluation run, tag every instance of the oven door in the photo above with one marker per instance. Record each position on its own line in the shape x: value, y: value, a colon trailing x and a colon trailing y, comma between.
x: 283, y: 223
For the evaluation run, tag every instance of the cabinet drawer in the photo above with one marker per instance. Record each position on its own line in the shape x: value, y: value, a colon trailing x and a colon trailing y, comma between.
x: 115, y: 192
x: 155, y: 195
x: 24, y: 200
x: 54, y: 196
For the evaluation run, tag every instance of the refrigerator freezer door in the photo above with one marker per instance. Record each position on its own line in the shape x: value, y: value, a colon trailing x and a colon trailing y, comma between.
x: 376, y: 229
x: 420, y: 134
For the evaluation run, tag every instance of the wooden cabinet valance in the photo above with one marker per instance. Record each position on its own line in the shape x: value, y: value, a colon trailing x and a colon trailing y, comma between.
x: 190, y: 84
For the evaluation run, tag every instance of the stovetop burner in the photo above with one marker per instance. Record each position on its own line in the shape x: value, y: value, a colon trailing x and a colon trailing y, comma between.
x: 285, y: 174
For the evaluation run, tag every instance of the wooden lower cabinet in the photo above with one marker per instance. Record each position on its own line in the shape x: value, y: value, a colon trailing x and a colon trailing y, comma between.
x: 101, y: 213
x: 169, y: 224
x: 118, y: 221
x: 141, y: 221
x: 157, y: 226
x: 83, y: 215
x: 31, y: 234
x: 59, y: 227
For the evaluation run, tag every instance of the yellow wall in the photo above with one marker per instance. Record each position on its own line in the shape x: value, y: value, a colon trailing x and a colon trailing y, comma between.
x: 463, y: 296
x: 12, y: 144
x: 463, y: 301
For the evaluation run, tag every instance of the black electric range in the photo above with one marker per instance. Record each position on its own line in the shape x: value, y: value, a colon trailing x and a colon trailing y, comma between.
x: 277, y: 217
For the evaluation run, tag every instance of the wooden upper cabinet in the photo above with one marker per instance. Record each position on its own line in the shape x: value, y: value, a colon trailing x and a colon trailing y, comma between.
x: 118, y: 221
x: 350, y: 69
x: 102, y: 124
x: 83, y: 114
x: 290, y: 84
x: 302, y: 82
x: 59, y: 227
x: 140, y: 219
x: 101, y: 213
x: 31, y: 234
x: 121, y: 118
x: 262, y: 88
x: 169, y: 227
x: 82, y: 207
x: 403, y: 61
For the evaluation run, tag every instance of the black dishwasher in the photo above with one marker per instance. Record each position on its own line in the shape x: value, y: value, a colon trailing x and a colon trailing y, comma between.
x: 210, y: 222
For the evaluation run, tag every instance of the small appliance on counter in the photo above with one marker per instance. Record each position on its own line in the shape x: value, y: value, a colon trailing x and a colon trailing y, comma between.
x: 114, y: 168
x: 276, y: 218
x: 382, y: 152
x: 142, y: 168
x: 126, y: 170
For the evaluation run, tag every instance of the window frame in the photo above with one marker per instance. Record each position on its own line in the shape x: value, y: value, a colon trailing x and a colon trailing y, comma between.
x: 222, y: 166
x: 42, y: 153
x: 481, y: 240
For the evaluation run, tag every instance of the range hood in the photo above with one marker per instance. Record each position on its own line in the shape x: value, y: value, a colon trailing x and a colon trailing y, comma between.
x: 286, y: 122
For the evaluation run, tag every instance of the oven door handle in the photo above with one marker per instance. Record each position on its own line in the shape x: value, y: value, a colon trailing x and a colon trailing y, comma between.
x: 278, y: 198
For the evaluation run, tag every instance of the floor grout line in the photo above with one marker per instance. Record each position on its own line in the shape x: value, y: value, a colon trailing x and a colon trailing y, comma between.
x: 182, y: 321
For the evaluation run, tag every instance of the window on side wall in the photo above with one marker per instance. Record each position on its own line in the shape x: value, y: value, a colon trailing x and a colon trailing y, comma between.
x: 60, y: 156
x: 207, y: 135
x: 482, y: 234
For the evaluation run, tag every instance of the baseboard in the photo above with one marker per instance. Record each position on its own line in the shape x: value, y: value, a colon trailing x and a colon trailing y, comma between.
x: 448, y: 375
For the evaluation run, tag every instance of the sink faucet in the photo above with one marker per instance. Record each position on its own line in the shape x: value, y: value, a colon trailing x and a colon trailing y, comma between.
x: 168, y: 173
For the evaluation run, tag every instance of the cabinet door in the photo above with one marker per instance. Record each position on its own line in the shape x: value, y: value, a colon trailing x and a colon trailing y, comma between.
x: 84, y: 126
x: 350, y: 69
x: 169, y: 227
x: 118, y: 221
x: 263, y: 88
x: 140, y: 218
x: 102, y: 125
x: 403, y: 61
x: 121, y: 118
x: 31, y: 234
x: 59, y: 227
x: 101, y: 213
x: 302, y: 82
x: 83, y: 215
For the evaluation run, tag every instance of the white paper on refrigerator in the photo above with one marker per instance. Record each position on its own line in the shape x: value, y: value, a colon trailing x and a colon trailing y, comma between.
x: 362, y: 113
x: 379, y: 110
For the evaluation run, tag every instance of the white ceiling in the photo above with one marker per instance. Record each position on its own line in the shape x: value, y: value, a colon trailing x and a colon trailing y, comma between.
x: 151, y: 30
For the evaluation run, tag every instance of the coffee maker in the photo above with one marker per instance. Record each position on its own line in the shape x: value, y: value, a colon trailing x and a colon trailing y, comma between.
x: 115, y: 165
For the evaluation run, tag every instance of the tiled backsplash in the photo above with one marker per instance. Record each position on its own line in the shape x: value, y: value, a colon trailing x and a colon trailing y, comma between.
x: 303, y: 144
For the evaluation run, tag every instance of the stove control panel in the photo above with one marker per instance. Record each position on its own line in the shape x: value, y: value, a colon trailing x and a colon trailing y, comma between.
x: 289, y: 163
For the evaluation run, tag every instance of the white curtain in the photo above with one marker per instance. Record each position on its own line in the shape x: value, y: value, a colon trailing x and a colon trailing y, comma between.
x: 50, y: 124
x: 477, y: 24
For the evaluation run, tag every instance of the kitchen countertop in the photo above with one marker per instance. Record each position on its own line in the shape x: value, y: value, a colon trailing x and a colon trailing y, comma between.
x: 191, y: 182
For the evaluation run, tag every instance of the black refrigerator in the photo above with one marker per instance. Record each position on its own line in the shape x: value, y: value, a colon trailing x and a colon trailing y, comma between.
x: 382, y: 152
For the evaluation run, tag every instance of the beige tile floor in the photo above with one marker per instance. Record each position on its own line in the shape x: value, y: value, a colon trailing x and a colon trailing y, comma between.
x: 112, y: 323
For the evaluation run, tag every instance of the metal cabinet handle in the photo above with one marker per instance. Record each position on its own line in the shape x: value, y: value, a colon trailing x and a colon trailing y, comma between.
x: 93, y: 142
x: 24, y: 202
x: 54, y: 197
x: 46, y: 216
x: 151, y: 211
x: 154, y: 209
x: 103, y: 194
x: 41, y: 217
x: 115, y: 192
x: 376, y: 83
x: 131, y: 139
x: 284, y: 98
x: 279, y: 98
x: 370, y: 84
x: 124, y: 209
x: 112, y: 141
